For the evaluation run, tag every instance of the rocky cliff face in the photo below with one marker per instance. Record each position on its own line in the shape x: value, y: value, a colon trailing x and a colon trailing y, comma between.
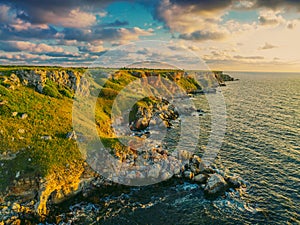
x: 38, y: 77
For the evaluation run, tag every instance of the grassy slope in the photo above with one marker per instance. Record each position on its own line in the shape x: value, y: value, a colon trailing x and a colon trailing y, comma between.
x: 46, y: 116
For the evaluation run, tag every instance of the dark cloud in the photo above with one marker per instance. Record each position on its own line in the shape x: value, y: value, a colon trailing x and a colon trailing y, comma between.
x: 277, y: 3
x: 203, y: 35
x: 116, y: 23
x: 248, y: 57
x: 36, y: 11
x: 267, y: 46
x: 204, y: 5
x: 62, y: 54
x: 106, y: 34
x: 8, y: 32
x: 96, y: 34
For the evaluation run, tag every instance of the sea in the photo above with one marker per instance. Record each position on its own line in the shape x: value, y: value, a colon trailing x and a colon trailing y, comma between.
x: 261, y: 145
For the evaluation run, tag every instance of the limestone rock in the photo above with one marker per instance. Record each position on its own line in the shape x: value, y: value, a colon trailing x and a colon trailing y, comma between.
x: 72, y: 136
x: 234, y: 181
x: 154, y: 171
x: 21, y: 131
x: 188, y: 174
x: 14, y: 114
x: 215, y: 185
x: 46, y: 137
x: 184, y: 155
x: 24, y: 116
x: 201, y: 178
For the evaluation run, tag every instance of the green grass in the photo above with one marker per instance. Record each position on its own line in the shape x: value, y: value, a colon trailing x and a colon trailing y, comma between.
x: 46, y: 116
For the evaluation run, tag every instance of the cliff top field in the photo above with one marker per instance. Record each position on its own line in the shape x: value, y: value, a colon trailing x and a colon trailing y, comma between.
x: 38, y: 148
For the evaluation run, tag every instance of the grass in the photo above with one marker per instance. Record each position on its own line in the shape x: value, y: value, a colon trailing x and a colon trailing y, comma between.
x: 46, y: 116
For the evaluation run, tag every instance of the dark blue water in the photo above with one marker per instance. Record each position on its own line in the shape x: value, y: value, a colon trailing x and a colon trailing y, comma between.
x: 262, y: 145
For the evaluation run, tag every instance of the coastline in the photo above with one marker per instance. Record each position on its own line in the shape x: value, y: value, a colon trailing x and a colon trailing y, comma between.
x: 30, y: 194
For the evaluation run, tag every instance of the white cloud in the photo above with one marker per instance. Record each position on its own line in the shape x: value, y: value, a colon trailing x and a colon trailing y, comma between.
x: 270, y: 18
x: 74, y: 18
x: 190, y: 18
x: 92, y: 47
x: 131, y: 34
x: 267, y: 46
x: 30, y: 47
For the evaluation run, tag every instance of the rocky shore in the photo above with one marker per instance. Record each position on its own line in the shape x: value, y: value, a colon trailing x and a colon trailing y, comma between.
x: 214, y: 182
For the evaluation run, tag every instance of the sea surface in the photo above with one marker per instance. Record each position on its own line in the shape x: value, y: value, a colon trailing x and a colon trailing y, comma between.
x: 261, y: 144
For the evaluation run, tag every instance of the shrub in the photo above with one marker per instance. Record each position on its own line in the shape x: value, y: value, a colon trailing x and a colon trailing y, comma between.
x: 51, y: 91
x: 66, y: 93
x: 108, y: 93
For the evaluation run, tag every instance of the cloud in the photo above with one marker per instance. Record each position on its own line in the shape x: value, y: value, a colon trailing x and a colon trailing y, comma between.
x: 11, y: 32
x: 67, y: 13
x: 92, y: 48
x: 292, y: 24
x: 73, y: 18
x: 204, y: 36
x: 190, y: 16
x: 270, y: 18
x: 120, y: 35
x: 248, y: 57
x: 63, y: 54
x: 116, y: 23
x: 275, y: 4
x: 267, y: 46
x: 16, y: 46
x: 22, y: 56
x: 4, y: 14
x: 203, y: 5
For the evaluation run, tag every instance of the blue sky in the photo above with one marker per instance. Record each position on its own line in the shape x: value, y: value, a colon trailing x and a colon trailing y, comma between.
x: 252, y: 35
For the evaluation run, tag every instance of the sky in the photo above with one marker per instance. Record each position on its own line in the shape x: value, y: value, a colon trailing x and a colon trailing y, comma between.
x: 239, y: 35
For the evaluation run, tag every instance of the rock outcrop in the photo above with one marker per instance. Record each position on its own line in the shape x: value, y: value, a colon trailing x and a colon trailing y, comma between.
x: 215, y: 184
x: 38, y: 77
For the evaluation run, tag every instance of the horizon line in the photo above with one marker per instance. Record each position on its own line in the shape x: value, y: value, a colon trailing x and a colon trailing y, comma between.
x: 86, y: 67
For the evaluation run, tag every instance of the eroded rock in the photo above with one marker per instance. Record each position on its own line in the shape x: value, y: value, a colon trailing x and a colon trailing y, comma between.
x: 215, y: 185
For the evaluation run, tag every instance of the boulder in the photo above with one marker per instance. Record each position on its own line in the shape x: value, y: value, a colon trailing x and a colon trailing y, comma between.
x: 47, y: 137
x: 4, y: 102
x: 200, y: 178
x: 140, y: 124
x: 21, y: 131
x: 234, y: 181
x: 196, y: 159
x: 184, y: 155
x: 215, y: 185
x: 24, y: 116
x: 166, y: 176
x: 71, y: 136
x: 154, y: 171
x: 188, y: 174
x: 14, y: 114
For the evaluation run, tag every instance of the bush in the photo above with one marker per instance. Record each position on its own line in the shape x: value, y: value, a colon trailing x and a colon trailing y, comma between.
x: 4, y: 91
x: 108, y: 93
x: 51, y: 91
x: 66, y: 93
